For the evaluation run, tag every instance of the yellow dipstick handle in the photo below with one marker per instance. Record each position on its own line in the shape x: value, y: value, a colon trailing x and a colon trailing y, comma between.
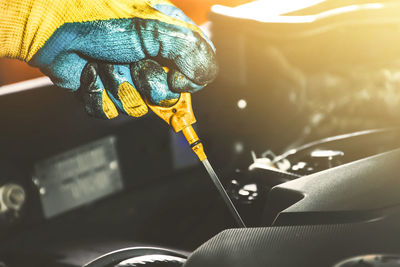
x: 180, y: 116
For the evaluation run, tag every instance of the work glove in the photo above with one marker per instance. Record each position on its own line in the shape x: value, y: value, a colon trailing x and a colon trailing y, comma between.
x: 111, y: 51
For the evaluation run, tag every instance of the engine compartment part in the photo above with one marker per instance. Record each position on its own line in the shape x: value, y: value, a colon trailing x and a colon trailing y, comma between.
x: 253, y: 189
x: 328, y: 152
x: 343, y: 194
x: 78, y: 177
x: 308, y: 245
x: 140, y: 256
x: 375, y: 260
x: 12, y: 198
x: 153, y: 260
x: 322, y: 219
x: 337, y: 150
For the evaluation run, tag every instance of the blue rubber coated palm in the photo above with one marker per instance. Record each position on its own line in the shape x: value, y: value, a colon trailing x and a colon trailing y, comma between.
x: 117, y: 47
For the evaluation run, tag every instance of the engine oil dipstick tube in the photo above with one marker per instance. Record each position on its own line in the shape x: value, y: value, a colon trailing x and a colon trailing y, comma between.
x: 180, y: 116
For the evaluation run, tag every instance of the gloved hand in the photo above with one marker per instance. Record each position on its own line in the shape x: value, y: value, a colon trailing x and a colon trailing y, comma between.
x: 97, y: 47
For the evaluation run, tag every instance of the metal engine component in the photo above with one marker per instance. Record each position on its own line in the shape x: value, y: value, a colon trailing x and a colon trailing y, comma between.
x: 244, y: 193
x: 334, y: 151
x: 12, y: 198
x: 373, y: 260
x: 151, y: 260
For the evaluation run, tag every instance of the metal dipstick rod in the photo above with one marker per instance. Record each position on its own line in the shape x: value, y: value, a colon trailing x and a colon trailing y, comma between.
x: 223, y: 193
x: 180, y: 116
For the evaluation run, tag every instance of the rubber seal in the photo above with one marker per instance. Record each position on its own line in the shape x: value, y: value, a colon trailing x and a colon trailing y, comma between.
x: 195, y: 143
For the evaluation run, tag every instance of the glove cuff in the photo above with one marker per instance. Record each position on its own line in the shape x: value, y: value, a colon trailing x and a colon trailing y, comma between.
x: 27, y: 24
x: 14, y: 27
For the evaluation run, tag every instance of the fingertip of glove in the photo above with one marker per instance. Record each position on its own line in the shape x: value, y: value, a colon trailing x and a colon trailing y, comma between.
x: 131, y: 100
x: 151, y: 79
x: 89, y: 75
x: 199, y: 64
x: 108, y: 106
x: 179, y: 83
x: 207, y: 67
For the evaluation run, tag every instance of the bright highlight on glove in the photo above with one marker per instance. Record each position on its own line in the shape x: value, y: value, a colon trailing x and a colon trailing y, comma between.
x: 98, y: 47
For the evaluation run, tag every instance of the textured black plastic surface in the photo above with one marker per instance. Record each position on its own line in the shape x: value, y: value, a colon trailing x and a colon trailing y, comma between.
x: 363, y: 196
x: 352, y: 192
x: 308, y: 245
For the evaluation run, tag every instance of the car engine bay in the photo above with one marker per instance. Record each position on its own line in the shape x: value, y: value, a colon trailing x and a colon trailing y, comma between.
x: 308, y: 153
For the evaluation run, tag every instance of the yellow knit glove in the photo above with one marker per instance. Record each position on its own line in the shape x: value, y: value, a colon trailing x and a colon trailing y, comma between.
x: 91, y: 45
x: 27, y: 24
